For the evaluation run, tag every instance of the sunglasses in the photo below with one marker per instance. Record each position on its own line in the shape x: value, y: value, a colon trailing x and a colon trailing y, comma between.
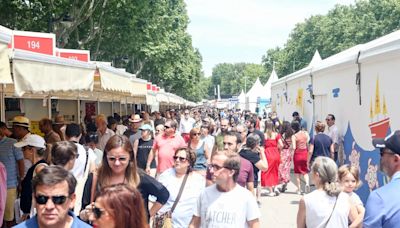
x: 58, y: 200
x: 215, y: 167
x: 383, y: 151
x: 166, y: 127
x: 97, y: 212
x: 181, y: 159
x: 196, y: 134
x: 114, y: 159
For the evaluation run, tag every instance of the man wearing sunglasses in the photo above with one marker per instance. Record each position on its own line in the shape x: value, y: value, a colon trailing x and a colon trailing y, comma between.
x: 225, y: 203
x: 53, y: 196
x: 383, y: 204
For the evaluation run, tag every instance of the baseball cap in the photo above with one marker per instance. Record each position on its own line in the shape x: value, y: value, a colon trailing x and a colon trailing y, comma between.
x: 32, y: 140
x: 295, y: 114
x: 146, y: 127
x: 21, y: 121
x: 391, y: 142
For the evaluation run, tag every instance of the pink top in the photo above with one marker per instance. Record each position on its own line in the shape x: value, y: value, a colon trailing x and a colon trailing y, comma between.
x: 301, y: 140
x: 3, y: 191
x: 166, y: 146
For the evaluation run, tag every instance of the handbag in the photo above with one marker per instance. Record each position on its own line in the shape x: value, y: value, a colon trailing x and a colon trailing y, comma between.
x: 165, y: 220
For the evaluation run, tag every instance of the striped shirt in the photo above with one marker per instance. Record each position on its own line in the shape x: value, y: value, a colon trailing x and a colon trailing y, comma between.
x: 9, y: 155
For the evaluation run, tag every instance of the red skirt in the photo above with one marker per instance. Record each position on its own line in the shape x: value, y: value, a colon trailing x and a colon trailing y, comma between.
x: 270, y: 177
x: 300, y: 161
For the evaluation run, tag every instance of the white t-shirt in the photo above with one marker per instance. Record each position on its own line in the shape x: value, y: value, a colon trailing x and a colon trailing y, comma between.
x: 226, y: 209
x: 319, y: 206
x: 79, y: 165
x: 184, y: 210
x: 355, y: 199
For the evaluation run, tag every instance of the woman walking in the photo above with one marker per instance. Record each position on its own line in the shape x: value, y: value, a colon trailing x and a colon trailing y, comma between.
x: 299, y: 141
x: 202, y: 152
x: 273, y: 143
x: 286, y: 155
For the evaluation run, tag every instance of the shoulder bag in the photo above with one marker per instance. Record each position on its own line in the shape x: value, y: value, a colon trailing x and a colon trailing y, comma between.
x: 165, y: 220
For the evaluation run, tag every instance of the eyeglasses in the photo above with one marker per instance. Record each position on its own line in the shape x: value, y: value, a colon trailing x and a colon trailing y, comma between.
x: 97, y: 212
x: 386, y: 151
x: 196, y: 134
x: 58, y: 200
x: 215, y: 167
x: 328, y: 119
x: 181, y: 159
x: 114, y: 159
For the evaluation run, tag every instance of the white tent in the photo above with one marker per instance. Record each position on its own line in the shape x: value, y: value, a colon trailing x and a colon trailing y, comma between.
x: 242, y: 100
x: 267, y: 87
x: 257, y: 90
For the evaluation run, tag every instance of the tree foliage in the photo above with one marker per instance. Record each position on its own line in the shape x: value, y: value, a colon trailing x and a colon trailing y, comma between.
x: 233, y: 78
x: 342, y: 28
x: 148, y: 38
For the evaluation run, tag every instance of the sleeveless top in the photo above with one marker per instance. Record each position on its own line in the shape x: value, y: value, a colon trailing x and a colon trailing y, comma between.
x: 143, y: 151
x: 301, y: 140
x: 201, y: 161
x: 319, y: 206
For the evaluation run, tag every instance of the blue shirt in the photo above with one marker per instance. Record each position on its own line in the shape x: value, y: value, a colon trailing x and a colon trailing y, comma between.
x: 383, y: 205
x: 9, y: 155
x: 33, y: 223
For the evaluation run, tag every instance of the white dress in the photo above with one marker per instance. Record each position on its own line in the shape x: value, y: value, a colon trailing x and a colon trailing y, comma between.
x: 319, y: 206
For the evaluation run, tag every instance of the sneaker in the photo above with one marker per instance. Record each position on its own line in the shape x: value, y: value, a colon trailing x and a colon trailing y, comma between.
x: 307, y: 189
x: 299, y: 192
x: 271, y: 194
x: 284, y: 188
x: 276, y: 191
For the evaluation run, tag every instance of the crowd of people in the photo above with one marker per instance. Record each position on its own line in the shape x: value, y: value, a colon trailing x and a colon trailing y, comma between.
x: 194, y: 168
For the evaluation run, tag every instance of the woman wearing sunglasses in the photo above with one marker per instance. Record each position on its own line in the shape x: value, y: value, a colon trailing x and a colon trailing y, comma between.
x: 202, y: 152
x: 119, y: 167
x: 184, y: 160
x: 118, y: 206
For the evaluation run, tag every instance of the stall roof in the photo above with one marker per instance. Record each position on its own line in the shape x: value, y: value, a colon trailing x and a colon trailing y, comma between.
x: 348, y: 56
x: 5, y: 71
x: 381, y: 46
x: 35, y: 72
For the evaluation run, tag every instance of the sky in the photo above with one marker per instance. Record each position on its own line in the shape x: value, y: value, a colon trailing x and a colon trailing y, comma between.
x: 232, y: 31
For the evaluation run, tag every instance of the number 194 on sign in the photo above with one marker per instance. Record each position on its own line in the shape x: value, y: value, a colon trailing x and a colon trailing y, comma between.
x: 33, y: 44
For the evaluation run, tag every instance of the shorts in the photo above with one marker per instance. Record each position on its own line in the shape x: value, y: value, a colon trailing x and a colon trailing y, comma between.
x: 9, y: 210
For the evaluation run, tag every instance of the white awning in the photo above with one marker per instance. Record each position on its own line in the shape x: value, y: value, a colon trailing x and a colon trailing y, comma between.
x: 5, y: 72
x: 43, y: 73
x: 138, y: 87
x: 114, y: 79
x: 162, y: 97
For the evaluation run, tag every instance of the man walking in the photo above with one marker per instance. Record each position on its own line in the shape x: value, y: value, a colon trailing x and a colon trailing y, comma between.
x: 333, y: 133
x: 186, y: 125
x: 383, y: 204
x: 225, y: 203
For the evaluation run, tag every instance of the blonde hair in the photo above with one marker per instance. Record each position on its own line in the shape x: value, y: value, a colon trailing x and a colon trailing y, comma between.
x: 319, y: 126
x: 348, y: 169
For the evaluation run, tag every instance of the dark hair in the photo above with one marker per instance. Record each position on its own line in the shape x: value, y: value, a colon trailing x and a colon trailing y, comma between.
x: 52, y: 175
x: 63, y: 152
x: 125, y: 204
x: 286, y: 129
x: 295, y: 114
x: 235, y: 134
x: 332, y: 116
x: 190, y: 156
x: 252, y: 140
x: 252, y: 121
x: 3, y: 125
x: 105, y: 172
x: 174, y: 124
x: 295, y: 126
x: 92, y: 137
x: 117, y: 117
x: 73, y: 130
x: 233, y: 162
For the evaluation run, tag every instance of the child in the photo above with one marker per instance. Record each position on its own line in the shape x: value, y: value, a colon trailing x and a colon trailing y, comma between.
x: 349, y: 179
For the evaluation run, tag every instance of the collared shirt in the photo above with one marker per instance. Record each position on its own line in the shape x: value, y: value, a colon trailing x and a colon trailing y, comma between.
x: 186, y: 125
x: 383, y: 205
x: 9, y: 155
x: 166, y: 146
x: 33, y: 222
x: 103, y: 138
x: 333, y: 133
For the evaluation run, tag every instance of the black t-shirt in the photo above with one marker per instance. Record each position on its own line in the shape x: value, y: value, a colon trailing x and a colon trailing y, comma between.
x: 26, y: 189
x: 144, y: 148
x: 252, y: 157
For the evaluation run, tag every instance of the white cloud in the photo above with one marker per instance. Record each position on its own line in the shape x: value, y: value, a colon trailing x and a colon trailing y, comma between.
x: 242, y: 30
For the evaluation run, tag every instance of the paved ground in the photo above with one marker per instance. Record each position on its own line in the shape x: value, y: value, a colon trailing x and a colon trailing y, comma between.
x: 280, y: 211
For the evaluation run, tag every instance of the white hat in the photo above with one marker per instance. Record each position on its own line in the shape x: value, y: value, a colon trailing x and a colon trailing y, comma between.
x: 32, y: 140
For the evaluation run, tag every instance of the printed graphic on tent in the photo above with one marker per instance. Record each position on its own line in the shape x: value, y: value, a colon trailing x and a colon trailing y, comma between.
x: 299, y: 99
x: 380, y: 127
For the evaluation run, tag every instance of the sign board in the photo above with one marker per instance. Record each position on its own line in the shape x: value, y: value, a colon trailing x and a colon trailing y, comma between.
x: 154, y: 88
x: 81, y: 55
x: 44, y: 43
x: 149, y: 86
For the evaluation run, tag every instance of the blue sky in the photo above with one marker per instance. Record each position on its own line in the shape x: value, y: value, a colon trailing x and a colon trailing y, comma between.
x: 234, y: 31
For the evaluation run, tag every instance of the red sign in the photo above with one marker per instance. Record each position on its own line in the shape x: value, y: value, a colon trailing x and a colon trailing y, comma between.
x: 158, y: 88
x: 148, y: 86
x: 43, y: 43
x: 154, y: 87
x: 76, y: 56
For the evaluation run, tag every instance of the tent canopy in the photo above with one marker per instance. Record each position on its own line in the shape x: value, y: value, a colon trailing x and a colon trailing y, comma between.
x: 267, y: 87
